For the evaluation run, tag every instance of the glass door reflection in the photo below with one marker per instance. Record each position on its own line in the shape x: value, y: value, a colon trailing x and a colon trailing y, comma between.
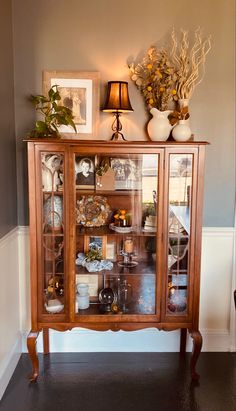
x: 116, y: 226
x: 179, y: 223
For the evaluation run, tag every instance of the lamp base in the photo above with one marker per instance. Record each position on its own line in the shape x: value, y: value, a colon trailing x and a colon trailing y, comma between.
x: 117, y: 136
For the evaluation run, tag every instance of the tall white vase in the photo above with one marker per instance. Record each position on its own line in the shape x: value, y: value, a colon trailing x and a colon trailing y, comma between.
x: 159, y: 127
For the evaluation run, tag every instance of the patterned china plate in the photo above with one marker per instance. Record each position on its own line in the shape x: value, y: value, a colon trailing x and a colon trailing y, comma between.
x: 92, y: 211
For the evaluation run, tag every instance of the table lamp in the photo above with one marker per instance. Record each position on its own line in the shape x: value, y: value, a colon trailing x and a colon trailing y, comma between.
x: 117, y: 102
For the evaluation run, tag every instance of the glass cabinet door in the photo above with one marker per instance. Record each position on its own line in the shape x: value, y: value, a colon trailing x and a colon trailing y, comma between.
x: 116, y: 203
x: 52, y: 262
x: 179, y: 232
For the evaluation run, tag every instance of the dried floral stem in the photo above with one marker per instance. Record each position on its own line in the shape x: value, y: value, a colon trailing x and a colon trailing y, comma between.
x: 155, y: 77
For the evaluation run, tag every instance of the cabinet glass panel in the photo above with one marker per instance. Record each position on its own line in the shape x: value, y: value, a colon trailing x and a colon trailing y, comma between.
x: 52, y: 166
x: 180, y: 188
x: 116, y: 222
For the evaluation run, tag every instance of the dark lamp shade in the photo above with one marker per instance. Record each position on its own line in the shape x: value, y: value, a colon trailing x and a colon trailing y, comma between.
x: 117, y: 97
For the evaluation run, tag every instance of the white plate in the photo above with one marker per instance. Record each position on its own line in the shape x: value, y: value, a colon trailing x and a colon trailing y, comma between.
x: 124, y: 230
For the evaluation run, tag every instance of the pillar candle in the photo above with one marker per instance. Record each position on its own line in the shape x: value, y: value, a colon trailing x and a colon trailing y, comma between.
x: 129, y: 246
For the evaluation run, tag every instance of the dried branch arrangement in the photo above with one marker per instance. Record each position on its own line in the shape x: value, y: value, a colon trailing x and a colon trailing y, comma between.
x: 189, y: 62
x: 170, y: 74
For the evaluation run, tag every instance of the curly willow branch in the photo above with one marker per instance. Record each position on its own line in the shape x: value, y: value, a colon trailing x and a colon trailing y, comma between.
x: 190, y: 63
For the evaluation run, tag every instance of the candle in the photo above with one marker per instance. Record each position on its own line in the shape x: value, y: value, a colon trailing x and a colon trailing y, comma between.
x: 129, y: 246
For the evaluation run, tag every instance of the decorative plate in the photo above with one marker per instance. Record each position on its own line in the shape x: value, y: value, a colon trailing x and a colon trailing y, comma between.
x: 121, y: 230
x: 92, y: 211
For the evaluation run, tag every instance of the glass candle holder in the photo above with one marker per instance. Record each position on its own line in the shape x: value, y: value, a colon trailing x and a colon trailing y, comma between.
x: 127, y: 252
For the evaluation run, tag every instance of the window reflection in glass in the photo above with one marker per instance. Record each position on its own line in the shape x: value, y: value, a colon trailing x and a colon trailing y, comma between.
x: 180, y: 183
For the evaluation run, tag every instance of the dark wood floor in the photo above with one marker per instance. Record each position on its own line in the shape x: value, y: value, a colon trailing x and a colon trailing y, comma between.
x: 123, y: 382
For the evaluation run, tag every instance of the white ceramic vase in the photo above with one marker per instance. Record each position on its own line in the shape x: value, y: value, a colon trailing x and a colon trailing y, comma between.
x: 159, y: 127
x: 182, y: 131
x: 184, y: 102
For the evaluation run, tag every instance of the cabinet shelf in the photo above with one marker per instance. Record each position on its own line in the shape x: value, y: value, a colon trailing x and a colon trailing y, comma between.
x: 107, y: 193
x: 132, y: 309
x: 55, y: 193
x: 142, y: 269
x: 53, y: 234
x: 105, y: 230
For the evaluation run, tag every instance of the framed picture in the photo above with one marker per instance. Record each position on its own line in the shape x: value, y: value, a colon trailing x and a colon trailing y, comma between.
x: 127, y: 173
x: 111, y: 250
x: 96, y: 242
x: 95, y: 283
x: 85, y: 172
x: 79, y: 91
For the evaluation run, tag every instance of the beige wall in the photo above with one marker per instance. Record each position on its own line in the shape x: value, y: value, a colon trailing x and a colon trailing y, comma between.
x: 100, y: 35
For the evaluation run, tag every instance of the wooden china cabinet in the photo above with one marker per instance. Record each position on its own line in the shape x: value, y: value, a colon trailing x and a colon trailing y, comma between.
x: 115, y: 237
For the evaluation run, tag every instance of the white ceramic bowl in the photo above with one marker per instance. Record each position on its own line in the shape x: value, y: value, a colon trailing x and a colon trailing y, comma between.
x: 54, y: 306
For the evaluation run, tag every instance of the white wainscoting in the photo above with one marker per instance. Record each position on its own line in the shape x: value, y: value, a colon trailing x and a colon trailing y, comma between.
x: 217, y: 314
x: 10, y: 330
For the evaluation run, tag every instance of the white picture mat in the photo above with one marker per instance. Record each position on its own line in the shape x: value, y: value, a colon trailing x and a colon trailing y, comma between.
x: 78, y: 83
x: 91, y: 280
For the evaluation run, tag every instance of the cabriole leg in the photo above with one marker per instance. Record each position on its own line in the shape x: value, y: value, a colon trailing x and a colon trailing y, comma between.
x: 31, y: 345
x: 197, y: 345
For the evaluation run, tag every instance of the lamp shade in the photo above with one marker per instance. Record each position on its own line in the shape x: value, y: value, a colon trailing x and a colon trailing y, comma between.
x: 117, y: 97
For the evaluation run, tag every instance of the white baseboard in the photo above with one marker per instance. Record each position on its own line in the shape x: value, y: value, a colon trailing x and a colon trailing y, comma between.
x: 216, y: 340
x: 9, y: 363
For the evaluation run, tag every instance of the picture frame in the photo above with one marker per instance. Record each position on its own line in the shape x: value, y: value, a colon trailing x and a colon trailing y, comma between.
x: 127, y: 173
x: 85, y: 176
x: 79, y: 91
x: 101, y: 241
x: 95, y: 283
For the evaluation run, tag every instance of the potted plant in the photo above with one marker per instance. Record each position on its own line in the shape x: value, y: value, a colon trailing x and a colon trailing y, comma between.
x: 54, y: 115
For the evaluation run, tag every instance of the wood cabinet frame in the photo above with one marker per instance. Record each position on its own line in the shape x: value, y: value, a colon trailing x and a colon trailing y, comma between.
x: 67, y: 320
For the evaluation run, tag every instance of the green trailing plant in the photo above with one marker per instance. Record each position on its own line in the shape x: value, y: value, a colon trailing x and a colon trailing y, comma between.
x: 54, y: 115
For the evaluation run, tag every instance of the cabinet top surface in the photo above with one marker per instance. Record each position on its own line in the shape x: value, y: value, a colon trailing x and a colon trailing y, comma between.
x: 117, y: 143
